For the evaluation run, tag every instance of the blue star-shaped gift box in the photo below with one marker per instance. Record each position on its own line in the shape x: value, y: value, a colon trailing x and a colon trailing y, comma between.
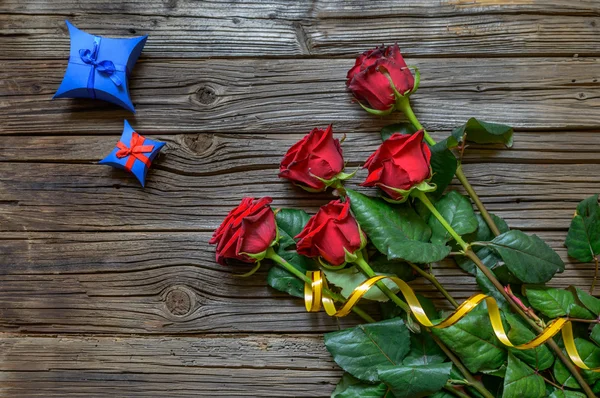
x: 133, y: 153
x: 99, y: 67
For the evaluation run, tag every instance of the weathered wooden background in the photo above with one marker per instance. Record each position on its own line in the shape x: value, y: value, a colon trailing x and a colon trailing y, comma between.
x: 108, y: 289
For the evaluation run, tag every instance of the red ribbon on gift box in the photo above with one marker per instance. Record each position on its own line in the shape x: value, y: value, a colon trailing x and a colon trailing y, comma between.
x: 135, y: 151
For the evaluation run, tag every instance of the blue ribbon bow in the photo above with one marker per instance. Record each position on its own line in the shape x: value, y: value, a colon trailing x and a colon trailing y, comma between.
x: 106, y: 67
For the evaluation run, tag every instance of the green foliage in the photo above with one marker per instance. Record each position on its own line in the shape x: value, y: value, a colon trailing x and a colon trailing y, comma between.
x: 521, y: 379
x: 484, y: 133
x: 485, y: 254
x: 587, y: 300
x: 363, y: 349
x: 402, y: 128
x: 415, y: 381
x: 527, y: 257
x: 347, y: 279
x: 541, y: 357
x: 595, y: 334
x: 458, y: 212
x: 351, y: 387
x: 590, y: 353
x: 488, y: 288
x: 391, y: 310
x: 290, y: 222
x: 380, y: 263
x: 396, y: 231
x: 443, y: 166
x: 473, y: 340
x: 556, y: 302
x: 583, y: 239
x: 566, y: 394
x: 423, y: 351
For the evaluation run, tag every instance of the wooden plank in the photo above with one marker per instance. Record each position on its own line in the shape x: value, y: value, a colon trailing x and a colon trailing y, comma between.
x: 157, y: 283
x: 278, y: 9
x: 89, y: 197
x: 224, y: 366
x: 275, y: 96
x: 167, y: 283
x: 219, y: 152
x: 247, y: 9
x: 234, y: 33
x: 437, y: 8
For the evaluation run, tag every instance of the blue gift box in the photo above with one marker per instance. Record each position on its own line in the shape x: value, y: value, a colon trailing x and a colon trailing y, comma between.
x: 99, y: 67
x: 133, y: 153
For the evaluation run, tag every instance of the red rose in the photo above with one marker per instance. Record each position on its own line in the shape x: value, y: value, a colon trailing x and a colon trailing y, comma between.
x: 329, y: 232
x: 248, y: 229
x: 317, y: 154
x: 369, y: 79
x: 400, y: 163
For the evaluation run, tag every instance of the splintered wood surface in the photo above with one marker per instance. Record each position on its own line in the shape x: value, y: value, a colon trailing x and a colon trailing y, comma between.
x: 111, y: 290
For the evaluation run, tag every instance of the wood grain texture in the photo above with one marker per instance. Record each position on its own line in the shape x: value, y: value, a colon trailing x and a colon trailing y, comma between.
x: 223, y: 366
x: 292, y: 96
x: 270, y: 30
x: 108, y: 289
x: 89, y: 197
x: 169, y: 283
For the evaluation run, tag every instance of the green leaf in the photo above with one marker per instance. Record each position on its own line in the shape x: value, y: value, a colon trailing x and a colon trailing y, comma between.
x: 566, y: 394
x: 587, y: 300
x: 351, y: 387
x: 527, y: 257
x: 556, y: 302
x: 349, y: 278
x: 488, y: 288
x: 396, y: 231
x: 290, y: 222
x: 595, y: 335
x: 442, y: 394
x: 458, y: 212
x: 443, y: 165
x: 380, y: 263
x: 583, y: 239
x: 473, y: 340
x: 417, y: 380
x: 590, y: 353
x: 483, y: 234
x: 423, y: 351
x: 391, y: 310
x: 402, y: 128
x: 521, y: 379
x: 484, y: 133
x: 363, y: 349
x: 539, y: 358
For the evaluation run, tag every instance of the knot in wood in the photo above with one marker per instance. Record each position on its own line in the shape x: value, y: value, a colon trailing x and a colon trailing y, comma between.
x: 206, y: 95
x: 198, y: 143
x: 179, y: 302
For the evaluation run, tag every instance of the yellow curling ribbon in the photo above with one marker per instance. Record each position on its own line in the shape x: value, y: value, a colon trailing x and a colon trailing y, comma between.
x: 313, y: 297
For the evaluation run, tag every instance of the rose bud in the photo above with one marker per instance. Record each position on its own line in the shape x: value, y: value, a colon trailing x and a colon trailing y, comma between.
x: 247, y: 232
x: 380, y: 78
x: 315, y: 162
x: 332, y: 234
x: 400, y: 164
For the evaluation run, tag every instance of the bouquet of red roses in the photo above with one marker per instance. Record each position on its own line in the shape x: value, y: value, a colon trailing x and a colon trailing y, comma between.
x: 516, y: 338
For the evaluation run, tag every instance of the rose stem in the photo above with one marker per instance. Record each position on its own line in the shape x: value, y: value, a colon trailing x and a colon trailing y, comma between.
x: 291, y: 269
x: 404, y: 105
x: 431, y: 278
x: 490, y: 275
x: 452, y: 390
x: 366, y: 268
